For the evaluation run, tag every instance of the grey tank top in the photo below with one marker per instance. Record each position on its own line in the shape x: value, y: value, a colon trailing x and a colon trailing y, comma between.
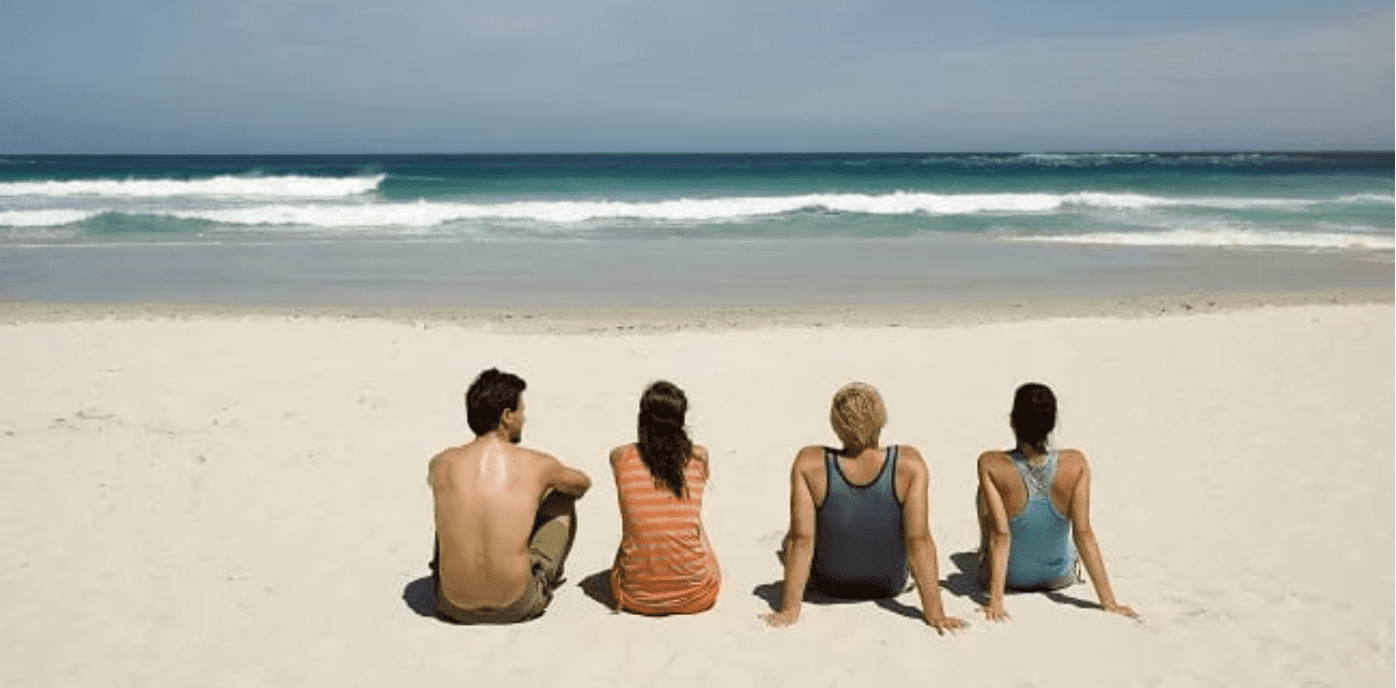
x: 859, y: 550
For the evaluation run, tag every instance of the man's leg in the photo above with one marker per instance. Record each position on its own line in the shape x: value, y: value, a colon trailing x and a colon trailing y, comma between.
x: 554, y: 530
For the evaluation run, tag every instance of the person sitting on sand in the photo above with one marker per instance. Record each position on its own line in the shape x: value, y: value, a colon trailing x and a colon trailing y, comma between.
x: 859, y: 515
x: 665, y: 564
x: 1047, y: 492
x: 505, y: 515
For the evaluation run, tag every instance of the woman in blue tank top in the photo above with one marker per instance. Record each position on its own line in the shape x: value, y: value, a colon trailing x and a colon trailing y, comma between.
x: 1034, y: 511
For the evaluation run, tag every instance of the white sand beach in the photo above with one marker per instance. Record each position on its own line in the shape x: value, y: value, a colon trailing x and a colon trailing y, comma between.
x: 234, y: 498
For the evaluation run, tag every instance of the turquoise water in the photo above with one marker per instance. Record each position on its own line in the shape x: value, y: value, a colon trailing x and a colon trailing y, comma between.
x: 545, y: 230
x: 1316, y: 200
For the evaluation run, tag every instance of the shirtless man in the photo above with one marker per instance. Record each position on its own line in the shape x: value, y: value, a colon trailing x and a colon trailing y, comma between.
x: 505, y: 515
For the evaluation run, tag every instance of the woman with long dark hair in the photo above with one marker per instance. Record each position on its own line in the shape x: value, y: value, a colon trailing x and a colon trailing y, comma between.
x: 665, y: 564
x: 1035, y: 510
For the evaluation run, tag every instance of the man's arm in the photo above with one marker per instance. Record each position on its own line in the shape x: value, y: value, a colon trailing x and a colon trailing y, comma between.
x: 799, y: 547
x: 431, y: 468
x: 1087, y: 546
x: 920, y: 546
x: 999, y: 538
x: 569, y: 481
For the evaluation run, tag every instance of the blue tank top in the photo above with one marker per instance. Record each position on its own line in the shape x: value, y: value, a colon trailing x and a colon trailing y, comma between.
x: 859, y: 550
x: 1041, y: 550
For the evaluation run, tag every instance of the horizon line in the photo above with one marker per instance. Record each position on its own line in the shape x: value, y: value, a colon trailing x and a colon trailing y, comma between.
x: 1237, y: 151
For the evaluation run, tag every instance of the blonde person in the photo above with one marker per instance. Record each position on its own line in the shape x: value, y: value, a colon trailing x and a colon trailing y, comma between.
x: 665, y: 564
x: 860, y: 516
x: 1034, y: 506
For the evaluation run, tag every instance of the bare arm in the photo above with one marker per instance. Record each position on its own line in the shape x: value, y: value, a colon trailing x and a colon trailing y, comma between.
x: 1087, y: 546
x: 569, y: 481
x: 921, y: 547
x: 999, y: 539
x: 799, y: 549
x: 701, y: 455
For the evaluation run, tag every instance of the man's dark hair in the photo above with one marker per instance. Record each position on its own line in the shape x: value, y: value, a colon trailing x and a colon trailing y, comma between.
x: 489, y: 396
x: 1034, y: 414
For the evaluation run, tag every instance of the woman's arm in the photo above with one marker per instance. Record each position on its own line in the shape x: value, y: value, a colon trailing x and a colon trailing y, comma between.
x: 1087, y: 546
x: 920, y: 545
x: 799, y: 548
x: 700, y: 454
x: 999, y: 539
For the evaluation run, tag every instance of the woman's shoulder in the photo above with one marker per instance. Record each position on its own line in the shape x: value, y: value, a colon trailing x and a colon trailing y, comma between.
x: 1071, y: 463
x: 990, y: 457
x: 619, y: 452
x: 1071, y: 456
x: 698, y: 457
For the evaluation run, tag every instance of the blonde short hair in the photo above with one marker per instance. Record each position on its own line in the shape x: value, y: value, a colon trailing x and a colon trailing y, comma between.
x: 858, y: 414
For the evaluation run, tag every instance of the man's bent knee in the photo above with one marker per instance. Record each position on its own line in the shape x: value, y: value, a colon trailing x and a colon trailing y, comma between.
x: 557, y: 505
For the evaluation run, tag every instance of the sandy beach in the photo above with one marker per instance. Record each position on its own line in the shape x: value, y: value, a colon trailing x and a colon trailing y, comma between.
x: 237, y: 497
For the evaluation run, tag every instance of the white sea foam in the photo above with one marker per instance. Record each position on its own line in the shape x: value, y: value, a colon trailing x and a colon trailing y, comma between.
x: 1226, y: 237
x: 424, y: 213
x: 222, y: 187
x: 43, y: 218
x: 1366, y: 198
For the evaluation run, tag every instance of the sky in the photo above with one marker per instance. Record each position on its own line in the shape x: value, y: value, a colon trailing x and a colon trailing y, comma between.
x: 459, y: 76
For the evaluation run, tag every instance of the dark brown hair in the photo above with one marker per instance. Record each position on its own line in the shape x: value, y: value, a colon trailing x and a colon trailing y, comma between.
x: 489, y: 396
x: 1034, y: 414
x: 663, y: 442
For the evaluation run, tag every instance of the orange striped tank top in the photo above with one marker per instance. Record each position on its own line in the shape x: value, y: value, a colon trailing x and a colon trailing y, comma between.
x: 664, y: 564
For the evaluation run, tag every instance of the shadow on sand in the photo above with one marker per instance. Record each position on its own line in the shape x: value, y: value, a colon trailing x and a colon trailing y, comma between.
x: 965, y: 582
x: 597, y: 586
x: 771, y: 593
x: 420, y: 597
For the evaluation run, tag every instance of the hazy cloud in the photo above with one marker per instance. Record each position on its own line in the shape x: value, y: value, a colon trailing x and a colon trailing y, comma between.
x: 351, y: 75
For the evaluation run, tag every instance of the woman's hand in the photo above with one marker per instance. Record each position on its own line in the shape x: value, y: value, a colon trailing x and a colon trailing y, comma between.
x: 781, y: 619
x: 1123, y: 610
x: 994, y: 611
x: 947, y: 624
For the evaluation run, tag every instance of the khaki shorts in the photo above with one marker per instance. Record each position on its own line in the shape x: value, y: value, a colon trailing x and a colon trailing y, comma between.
x: 548, y: 546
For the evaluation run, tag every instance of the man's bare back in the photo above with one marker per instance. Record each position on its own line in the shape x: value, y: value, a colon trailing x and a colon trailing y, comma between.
x: 487, y: 495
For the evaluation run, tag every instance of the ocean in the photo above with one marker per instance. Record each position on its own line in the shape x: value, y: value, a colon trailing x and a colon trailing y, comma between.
x: 696, y: 229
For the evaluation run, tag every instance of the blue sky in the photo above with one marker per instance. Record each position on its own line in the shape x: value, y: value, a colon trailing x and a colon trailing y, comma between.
x: 183, y: 76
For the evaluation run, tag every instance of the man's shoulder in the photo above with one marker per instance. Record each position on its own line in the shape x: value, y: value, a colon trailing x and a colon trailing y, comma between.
x: 533, y: 456
x: 445, y: 455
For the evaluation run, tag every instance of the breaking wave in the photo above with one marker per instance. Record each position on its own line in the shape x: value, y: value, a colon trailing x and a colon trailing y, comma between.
x: 427, y: 213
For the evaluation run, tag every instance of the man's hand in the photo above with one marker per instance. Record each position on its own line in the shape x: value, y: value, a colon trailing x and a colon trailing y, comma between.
x: 781, y: 619
x: 947, y: 624
x: 994, y: 611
